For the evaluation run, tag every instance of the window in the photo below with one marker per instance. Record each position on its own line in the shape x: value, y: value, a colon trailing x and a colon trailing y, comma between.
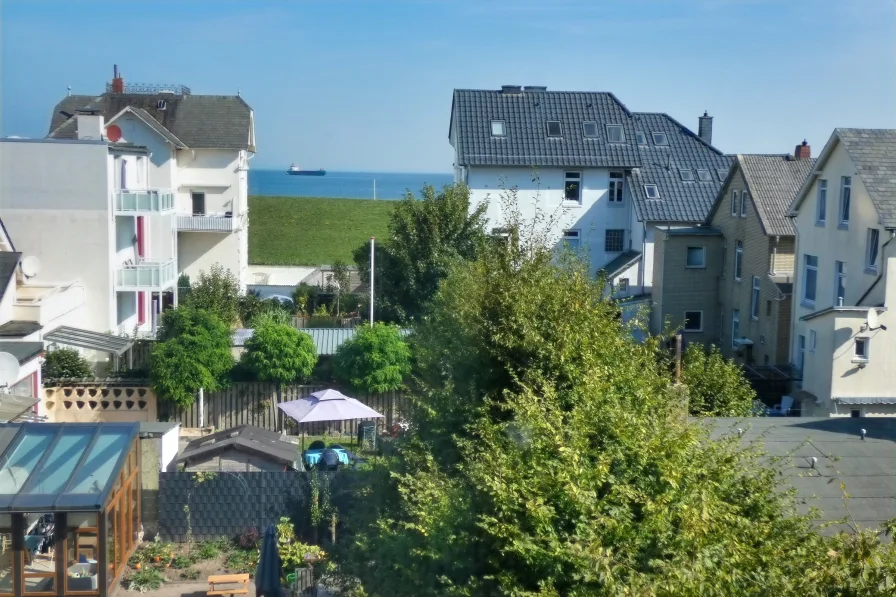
x: 659, y: 138
x: 738, y: 259
x: 686, y: 174
x: 693, y: 321
x: 554, y: 128
x: 744, y: 199
x: 855, y: 413
x: 696, y: 257
x: 641, y: 138
x: 845, y: 197
x: 768, y: 308
x: 704, y: 176
x: 735, y: 196
x: 652, y: 191
x: 722, y: 173
x: 497, y: 128
x: 590, y: 129
x: 754, y: 299
x: 821, y: 209
x: 735, y: 327
x: 572, y: 187
x: 801, y: 352
x: 571, y: 239
x: 810, y: 278
x: 813, y: 340
x: 615, y: 134
x: 871, y: 249
x: 614, y: 241
x: 622, y: 285
x: 141, y: 164
x: 839, y: 283
x: 616, y: 188
x: 861, y: 350
x: 198, y: 203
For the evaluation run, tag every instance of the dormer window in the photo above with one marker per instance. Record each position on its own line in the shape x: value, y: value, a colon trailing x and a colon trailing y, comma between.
x: 641, y: 138
x: 497, y: 128
x: 554, y: 128
x: 687, y: 175
x: 660, y: 139
x: 590, y: 129
x: 615, y: 134
x: 704, y: 176
x: 652, y: 191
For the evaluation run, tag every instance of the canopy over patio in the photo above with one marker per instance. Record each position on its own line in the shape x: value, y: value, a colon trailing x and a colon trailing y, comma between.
x: 327, y: 405
x: 98, y: 341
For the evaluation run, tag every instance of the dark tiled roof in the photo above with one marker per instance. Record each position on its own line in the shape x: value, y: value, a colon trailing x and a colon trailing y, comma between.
x: 24, y: 351
x: 9, y: 261
x: 199, y: 121
x: 873, y: 151
x: 526, y: 143
x: 867, y: 467
x: 19, y: 329
x: 680, y: 200
x: 774, y: 181
x: 621, y: 263
x: 157, y: 127
x: 6, y: 234
x: 255, y: 440
x: 694, y: 231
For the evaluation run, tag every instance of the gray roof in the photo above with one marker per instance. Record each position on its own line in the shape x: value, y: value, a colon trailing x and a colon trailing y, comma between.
x: 9, y: 261
x: 873, y: 152
x: 679, y: 200
x: 525, y: 116
x: 867, y: 467
x: 198, y: 121
x: 18, y: 329
x: 24, y: 351
x: 100, y: 341
x: 157, y: 127
x: 620, y: 263
x: 244, y: 438
x: 152, y: 428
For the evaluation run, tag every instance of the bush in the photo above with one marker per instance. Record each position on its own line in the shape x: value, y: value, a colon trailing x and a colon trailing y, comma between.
x: 148, y: 579
x: 218, y: 292
x: 376, y: 360
x: 716, y: 385
x: 305, y: 298
x: 190, y: 574
x: 66, y: 363
x: 279, y: 352
x: 206, y: 550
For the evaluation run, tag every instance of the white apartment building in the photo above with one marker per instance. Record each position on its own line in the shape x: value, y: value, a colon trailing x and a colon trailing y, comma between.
x: 844, y: 300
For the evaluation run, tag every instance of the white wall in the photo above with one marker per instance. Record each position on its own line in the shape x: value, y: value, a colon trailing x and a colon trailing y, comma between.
x: 198, y: 251
x: 6, y: 304
x: 162, y: 166
x: 215, y: 172
x: 169, y: 448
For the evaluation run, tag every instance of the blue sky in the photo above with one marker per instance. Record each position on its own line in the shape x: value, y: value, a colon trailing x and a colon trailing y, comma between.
x: 366, y: 84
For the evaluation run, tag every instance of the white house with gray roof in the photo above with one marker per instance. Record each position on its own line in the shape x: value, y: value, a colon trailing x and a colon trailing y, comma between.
x: 612, y: 176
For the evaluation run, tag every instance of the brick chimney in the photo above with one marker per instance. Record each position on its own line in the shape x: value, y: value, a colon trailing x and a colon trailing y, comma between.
x: 802, y: 151
x: 705, y: 128
x: 117, y: 80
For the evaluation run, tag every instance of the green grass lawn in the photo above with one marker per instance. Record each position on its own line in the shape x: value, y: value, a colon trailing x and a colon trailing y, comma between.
x: 312, y: 231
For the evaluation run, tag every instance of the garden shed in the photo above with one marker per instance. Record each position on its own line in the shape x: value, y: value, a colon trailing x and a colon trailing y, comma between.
x: 244, y: 448
x: 69, y: 506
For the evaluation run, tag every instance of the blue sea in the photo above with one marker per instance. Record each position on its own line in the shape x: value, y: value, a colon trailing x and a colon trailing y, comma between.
x: 351, y: 185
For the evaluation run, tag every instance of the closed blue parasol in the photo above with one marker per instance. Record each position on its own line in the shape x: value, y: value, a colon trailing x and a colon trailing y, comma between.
x: 267, y: 576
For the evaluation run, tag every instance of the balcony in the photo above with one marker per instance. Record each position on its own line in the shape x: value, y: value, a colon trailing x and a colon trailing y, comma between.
x: 45, y: 303
x: 146, y: 275
x: 148, y: 201
x: 207, y: 223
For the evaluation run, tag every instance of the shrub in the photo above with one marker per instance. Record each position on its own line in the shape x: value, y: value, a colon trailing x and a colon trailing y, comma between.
x: 181, y: 561
x: 218, y: 292
x: 376, y: 360
x: 279, y: 352
x: 716, y: 385
x: 206, y: 550
x: 66, y: 363
x: 148, y: 579
x: 190, y: 574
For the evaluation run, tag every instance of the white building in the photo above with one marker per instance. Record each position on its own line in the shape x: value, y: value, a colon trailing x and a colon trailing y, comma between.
x: 610, y: 176
x: 844, y: 302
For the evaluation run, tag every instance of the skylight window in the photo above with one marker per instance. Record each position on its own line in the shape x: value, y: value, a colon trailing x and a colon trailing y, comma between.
x: 704, y: 176
x: 723, y: 174
x: 554, y: 128
x: 590, y: 129
x: 652, y: 191
x: 641, y: 138
x: 615, y: 134
x: 659, y: 138
x: 497, y: 128
x: 686, y: 174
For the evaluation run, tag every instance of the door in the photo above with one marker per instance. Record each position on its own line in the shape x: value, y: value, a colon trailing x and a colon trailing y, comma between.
x: 198, y: 203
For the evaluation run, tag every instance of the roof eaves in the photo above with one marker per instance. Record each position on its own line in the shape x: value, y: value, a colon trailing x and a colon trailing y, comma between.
x: 810, y: 179
x: 736, y: 165
x: 855, y: 309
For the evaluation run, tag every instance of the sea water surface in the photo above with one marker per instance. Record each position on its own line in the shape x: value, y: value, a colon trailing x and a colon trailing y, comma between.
x: 351, y: 185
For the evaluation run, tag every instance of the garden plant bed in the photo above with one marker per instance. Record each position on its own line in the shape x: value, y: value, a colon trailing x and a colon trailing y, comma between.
x: 188, y: 562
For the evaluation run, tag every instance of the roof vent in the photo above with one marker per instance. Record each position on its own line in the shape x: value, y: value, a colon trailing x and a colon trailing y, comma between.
x: 161, y: 104
x: 511, y: 89
x: 864, y: 433
x: 535, y: 88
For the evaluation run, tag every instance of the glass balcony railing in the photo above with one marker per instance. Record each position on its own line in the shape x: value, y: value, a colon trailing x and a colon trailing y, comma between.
x: 151, y: 200
x: 147, y: 275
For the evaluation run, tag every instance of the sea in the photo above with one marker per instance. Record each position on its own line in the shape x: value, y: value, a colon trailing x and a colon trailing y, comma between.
x: 349, y: 185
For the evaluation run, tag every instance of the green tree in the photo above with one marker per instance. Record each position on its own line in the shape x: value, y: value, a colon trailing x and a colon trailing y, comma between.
x: 66, y: 363
x: 279, y: 352
x: 218, y: 292
x: 426, y: 236
x: 716, y: 386
x: 192, y: 352
x: 339, y: 282
x: 305, y: 297
x: 376, y: 360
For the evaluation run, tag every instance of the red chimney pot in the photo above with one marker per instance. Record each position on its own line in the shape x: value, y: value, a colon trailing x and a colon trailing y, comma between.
x: 117, y: 80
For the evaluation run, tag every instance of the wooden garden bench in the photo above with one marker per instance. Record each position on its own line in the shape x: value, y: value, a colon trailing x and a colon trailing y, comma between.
x: 228, y: 579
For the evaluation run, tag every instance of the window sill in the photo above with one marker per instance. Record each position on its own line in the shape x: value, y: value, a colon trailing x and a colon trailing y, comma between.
x: 615, y: 203
x: 691, y: 331
x: 754, y: 318
x: 738, y: 279
x: 695, y: 267
x: 843, y: 226
x: 871, y: 271
x: 860, y: 361
x: 807, y: 303
x: 572, y: 204
x: 820, y: 224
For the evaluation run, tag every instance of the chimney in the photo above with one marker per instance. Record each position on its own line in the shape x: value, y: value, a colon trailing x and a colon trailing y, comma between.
x: 802, y: 151
x: 511, y: 89
x: 90, y: 125
x: 117, y: 80
x: 705, y: 128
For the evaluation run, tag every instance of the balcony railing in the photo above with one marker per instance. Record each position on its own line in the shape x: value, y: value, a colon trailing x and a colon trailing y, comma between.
x: 154, y: 201
x: 207, y: 223
x: 146, y: 275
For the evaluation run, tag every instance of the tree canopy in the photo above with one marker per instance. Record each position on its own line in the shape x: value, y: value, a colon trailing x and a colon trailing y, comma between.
x: 279, y: 352
x: 376, y: 360
x: 216, y: 291
x: 715, y: 386
x: 426, y: 236
x: 65, y: 363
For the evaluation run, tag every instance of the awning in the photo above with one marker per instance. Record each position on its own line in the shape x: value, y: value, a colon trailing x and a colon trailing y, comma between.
x: 117, y: 345
x: 12, y: 406
x: 864, y: 400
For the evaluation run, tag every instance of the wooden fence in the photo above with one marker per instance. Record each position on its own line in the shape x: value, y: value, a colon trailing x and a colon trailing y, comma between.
x: 255, y: 403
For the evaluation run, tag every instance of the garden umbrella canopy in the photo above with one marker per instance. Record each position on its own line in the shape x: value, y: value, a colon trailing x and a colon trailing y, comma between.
x: 267, y: 575
x: 327, y: 405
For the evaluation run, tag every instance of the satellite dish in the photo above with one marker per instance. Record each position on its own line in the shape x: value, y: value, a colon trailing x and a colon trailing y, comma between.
x: 872, y: 319
x: 9, y: 369
x: 113, y: 132
x: 30, y: 266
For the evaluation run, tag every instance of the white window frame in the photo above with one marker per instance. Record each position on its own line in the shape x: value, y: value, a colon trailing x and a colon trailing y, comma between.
x: 661, y: 135
x: 806, y: 269
x: 615, y: 127
x: 734, y: 199
x: 616, y: 188
x: 559, y: 124
x: 499, y: 124
x: 862, y: 350
x: 655, y: 192
x: 704, y: 175
x: 607, y: 238
x: 585, y: 129
x: 576, y: 176
x: 744, y: 199
x: 813, y: 340
x: 872, y: 251
x: 754, y: 298
x: 572, y: 235
x: 702, y: 252
x: 821, y: 206
x: 735, y: 327
x: 845, y: 201
x: 684, y: 327
x: 687, y: 175
x: 723, y: 174
x: 738, y: 260
x: 839, y: 282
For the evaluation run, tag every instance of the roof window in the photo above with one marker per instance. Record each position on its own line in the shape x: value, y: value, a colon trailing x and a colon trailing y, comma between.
x: 704, y: 176
x: 590, y: 129
x: 723, y: 174
x: 615, y: 134
x: 652, y: 191
x: 497, y: 128
x: 554, y: 128
x: 641, y: 138
x: 686, y: 174
x: 660, y: 139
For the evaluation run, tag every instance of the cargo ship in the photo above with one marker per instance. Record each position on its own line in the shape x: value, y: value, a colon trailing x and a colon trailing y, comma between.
x: 296, y: 171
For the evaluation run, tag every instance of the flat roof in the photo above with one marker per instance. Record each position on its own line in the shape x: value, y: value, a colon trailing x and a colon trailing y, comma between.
x: 59, y: 467
x: 156, y: 427
x: 70, y: 336
x: 24, y: 351
x: 19, y: 329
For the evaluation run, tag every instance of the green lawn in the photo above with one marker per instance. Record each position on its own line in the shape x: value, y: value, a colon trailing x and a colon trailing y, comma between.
x: 312, y: 231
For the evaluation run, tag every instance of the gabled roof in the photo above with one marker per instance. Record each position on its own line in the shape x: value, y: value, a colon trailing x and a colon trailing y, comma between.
x: 9, y: 261
x: 244, y: 438
x: 773, y: 181
x: 620, y: 263
x: 152, y: 123
x: 525, y: 141
x: 679, y: 200
x: 198, y: 121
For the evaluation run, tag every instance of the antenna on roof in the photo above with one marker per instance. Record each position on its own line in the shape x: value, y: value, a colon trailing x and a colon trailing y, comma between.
x: 69, y: 90
x: 239, y: 91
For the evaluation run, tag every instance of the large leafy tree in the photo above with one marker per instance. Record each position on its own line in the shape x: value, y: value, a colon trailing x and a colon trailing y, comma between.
x: 216, y: 291
x: 426, y: 236
x: 66, y: 363
x: 376, y: 360
x: 279, y: 352
x: 550, y: 455
x: 192, y: 352
x: 716, y: 386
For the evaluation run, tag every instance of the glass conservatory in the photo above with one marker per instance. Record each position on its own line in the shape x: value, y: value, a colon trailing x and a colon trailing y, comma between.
x: 69, y: 507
